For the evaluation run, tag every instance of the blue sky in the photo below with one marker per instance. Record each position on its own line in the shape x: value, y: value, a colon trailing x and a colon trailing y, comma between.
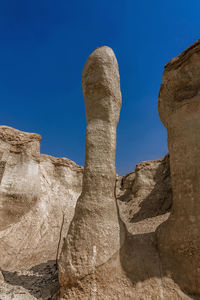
x: 44, y: 45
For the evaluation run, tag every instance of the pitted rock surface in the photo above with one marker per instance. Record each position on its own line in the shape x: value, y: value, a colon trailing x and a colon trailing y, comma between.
x: 94, y: 234
x: 38, y: 194
x: 124, y: 263
x: 179, y: 109
x: 36, y: 213
x: 143, y: 197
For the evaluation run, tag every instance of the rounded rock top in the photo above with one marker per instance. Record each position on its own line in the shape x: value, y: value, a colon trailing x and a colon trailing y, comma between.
x: 101, y: 56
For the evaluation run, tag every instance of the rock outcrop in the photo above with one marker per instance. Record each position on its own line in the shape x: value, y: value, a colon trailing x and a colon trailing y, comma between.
x: 179, y: 109
x: 145, y: 196
x: 19, y: 170
x: 146, y: 244
x: 27, y: 257
x: 94, y: 234
x: 103, y: 256
x: 38, y: 194
x: 144, y: 199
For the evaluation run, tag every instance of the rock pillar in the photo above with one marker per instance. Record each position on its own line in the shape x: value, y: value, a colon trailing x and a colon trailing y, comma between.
x: 94, y: 234
x: 179, y: 109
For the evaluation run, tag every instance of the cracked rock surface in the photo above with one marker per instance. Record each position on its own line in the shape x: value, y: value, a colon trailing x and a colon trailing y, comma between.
x: 38, y: 195
x: 94, y: 236
x: 157, y: 204
x: 179, y: 109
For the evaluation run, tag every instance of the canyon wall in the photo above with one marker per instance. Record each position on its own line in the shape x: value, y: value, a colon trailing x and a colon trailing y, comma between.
x: 130, y: 237
x: 38, y: 195
x: 27, y: 256
x: 179, y: 110
x: 34, y: 227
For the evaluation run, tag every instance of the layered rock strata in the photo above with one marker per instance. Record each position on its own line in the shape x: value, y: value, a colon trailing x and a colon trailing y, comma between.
x: 38, y: 194
x: 143, y: 197
x: 132, y: 258
x: 94, y: 234
x: 19, y: 170
x: 179, y: 110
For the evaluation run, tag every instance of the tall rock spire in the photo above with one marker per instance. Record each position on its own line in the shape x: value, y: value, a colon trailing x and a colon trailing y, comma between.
x: 94, y: 234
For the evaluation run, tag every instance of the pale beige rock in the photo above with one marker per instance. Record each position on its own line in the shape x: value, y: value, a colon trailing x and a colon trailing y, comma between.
x: 45, y: 202
x: 135, y: 272
x: 179, y: 109
x: 19, y: 169
x: 38, y: 194
x: 102, y: 258
x: 132, y: 273
x: 39, y: 282
x: 10, y: 292
x: 1, y: 277
x: 145, y: 196
x: 94, y: 234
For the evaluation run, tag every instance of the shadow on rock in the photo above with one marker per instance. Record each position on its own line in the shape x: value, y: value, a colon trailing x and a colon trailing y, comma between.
x: 40, y: 281
x: 139, y: 257
x: 159, y: 200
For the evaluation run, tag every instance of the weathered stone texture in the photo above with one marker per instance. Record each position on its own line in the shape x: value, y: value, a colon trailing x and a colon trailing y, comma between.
x: 19, y: 169
x: 105, y: 257
x: 145, y: 196
x: 179, y: 109
x: 38, y: 195
x: 143, y: 248
x: 94, y: 234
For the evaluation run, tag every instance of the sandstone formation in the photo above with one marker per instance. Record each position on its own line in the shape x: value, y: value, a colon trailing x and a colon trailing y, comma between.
x: 179, y: 109
x: 94, y: 234
x: 105, y: 256
x: 38, y: 195
x: 1, y: 277
x: 29, y: 272
x: 139, y: 247
x: 145, y: 196
x: 19, y: 169
x: 144, y: 199
x: 10, y: 292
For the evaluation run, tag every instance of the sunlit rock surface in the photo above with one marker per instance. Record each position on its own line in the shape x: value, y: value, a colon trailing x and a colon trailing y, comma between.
x: 38, y: 195
x: 94, y: 236
x: 158, y: 210
x: 179, y: 109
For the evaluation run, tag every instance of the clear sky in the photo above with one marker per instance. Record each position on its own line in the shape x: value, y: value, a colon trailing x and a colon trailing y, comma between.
x: 44, y: 45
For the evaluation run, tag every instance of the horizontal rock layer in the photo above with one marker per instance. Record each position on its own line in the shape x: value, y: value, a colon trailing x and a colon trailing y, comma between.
x: 179, y: 110
x: 38, y: 195
x: 29, y: 243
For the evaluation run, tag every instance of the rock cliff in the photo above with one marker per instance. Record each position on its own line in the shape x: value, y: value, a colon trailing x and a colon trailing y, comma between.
x: 38, y: 195
x: 28, y: 259
x: 179, y: 109
x: 131, y: 237
x: 126, y: 262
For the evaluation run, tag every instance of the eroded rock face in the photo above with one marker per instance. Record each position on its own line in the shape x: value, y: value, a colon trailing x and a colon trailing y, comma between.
x: 105, y: 257
x: 29, y: 245
x: 19, y: 174
x: 145, y: 196
x: 179, y: 109
x: 38, y: 194
x: 94, y: 234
